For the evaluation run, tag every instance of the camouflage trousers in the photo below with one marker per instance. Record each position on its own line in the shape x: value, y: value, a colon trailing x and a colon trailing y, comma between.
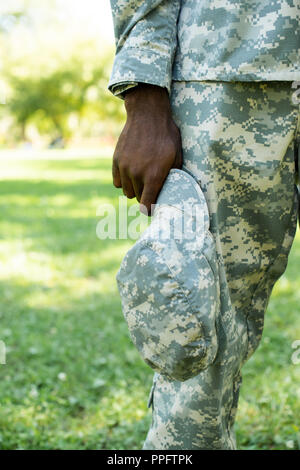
x: 240, y: 141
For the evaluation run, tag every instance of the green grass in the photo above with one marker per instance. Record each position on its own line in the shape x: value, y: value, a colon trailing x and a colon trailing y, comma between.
x: 73, y: 380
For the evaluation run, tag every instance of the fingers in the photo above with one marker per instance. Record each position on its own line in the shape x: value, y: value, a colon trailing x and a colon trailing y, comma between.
x: 132, y: 186
x: 116, y: 175
x: 138, y: 187
x: 121, y: 180
x: 127, y: 185
x: 149, y: 196
x: 178, y: 159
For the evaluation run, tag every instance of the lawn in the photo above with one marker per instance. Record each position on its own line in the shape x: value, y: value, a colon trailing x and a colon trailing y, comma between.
x: 73, y: 379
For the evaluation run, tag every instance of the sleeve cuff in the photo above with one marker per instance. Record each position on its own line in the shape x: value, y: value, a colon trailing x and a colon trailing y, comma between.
x: 133, y: 65
x: 120, y: 88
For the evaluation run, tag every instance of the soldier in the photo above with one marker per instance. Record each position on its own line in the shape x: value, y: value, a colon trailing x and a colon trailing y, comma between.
x: 210, y: 87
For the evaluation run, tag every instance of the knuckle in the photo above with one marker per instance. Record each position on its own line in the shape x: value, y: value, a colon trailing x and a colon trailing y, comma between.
x: 135, y: 173
x: 154, y: 180
x: 123, y: 166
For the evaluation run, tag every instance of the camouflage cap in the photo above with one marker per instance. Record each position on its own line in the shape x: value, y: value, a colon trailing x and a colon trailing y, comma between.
x: 169, y: 286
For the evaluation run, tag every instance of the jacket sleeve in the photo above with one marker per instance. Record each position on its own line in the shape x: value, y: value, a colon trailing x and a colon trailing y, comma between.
x: 146, y: 39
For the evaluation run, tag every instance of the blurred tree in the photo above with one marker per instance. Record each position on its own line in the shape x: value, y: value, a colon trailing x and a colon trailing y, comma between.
x: 48, y: 100
x: 53, y: 79
x: 9, y: 20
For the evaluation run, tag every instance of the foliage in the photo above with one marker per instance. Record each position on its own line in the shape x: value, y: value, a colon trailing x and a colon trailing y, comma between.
x: 73, y: 379
x: 70, y: 89
x: 55, y: 82
x: 9, y: 20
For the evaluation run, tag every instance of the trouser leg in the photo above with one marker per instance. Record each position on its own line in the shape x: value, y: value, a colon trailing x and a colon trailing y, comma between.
x: 238, y: 140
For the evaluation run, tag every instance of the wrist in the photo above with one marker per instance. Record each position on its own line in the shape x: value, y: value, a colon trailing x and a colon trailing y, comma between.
x: 145, y: 97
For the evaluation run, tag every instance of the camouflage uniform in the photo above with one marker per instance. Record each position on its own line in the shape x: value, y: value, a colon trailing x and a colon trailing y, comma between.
x: 228, y: 67
x: 158, y: 41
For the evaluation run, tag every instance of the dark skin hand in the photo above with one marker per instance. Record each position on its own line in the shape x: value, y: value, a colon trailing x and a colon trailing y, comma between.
x: 148, y: 146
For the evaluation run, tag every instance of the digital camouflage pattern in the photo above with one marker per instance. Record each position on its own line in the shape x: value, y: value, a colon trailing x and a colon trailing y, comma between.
x: 244, y: 40
x: 146, y: 37
x: 240, y: 142
x: 190, y: 40
x: 227, y: 66
x: 169, y: 286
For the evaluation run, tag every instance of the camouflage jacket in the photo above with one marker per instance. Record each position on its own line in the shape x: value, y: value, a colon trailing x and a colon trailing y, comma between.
x: 158, y: 41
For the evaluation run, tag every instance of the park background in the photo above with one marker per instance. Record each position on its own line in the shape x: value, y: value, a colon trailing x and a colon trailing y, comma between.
x: 72, y: 378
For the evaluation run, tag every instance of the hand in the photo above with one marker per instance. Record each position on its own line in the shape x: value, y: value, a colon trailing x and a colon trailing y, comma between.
x: 148, y: 147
